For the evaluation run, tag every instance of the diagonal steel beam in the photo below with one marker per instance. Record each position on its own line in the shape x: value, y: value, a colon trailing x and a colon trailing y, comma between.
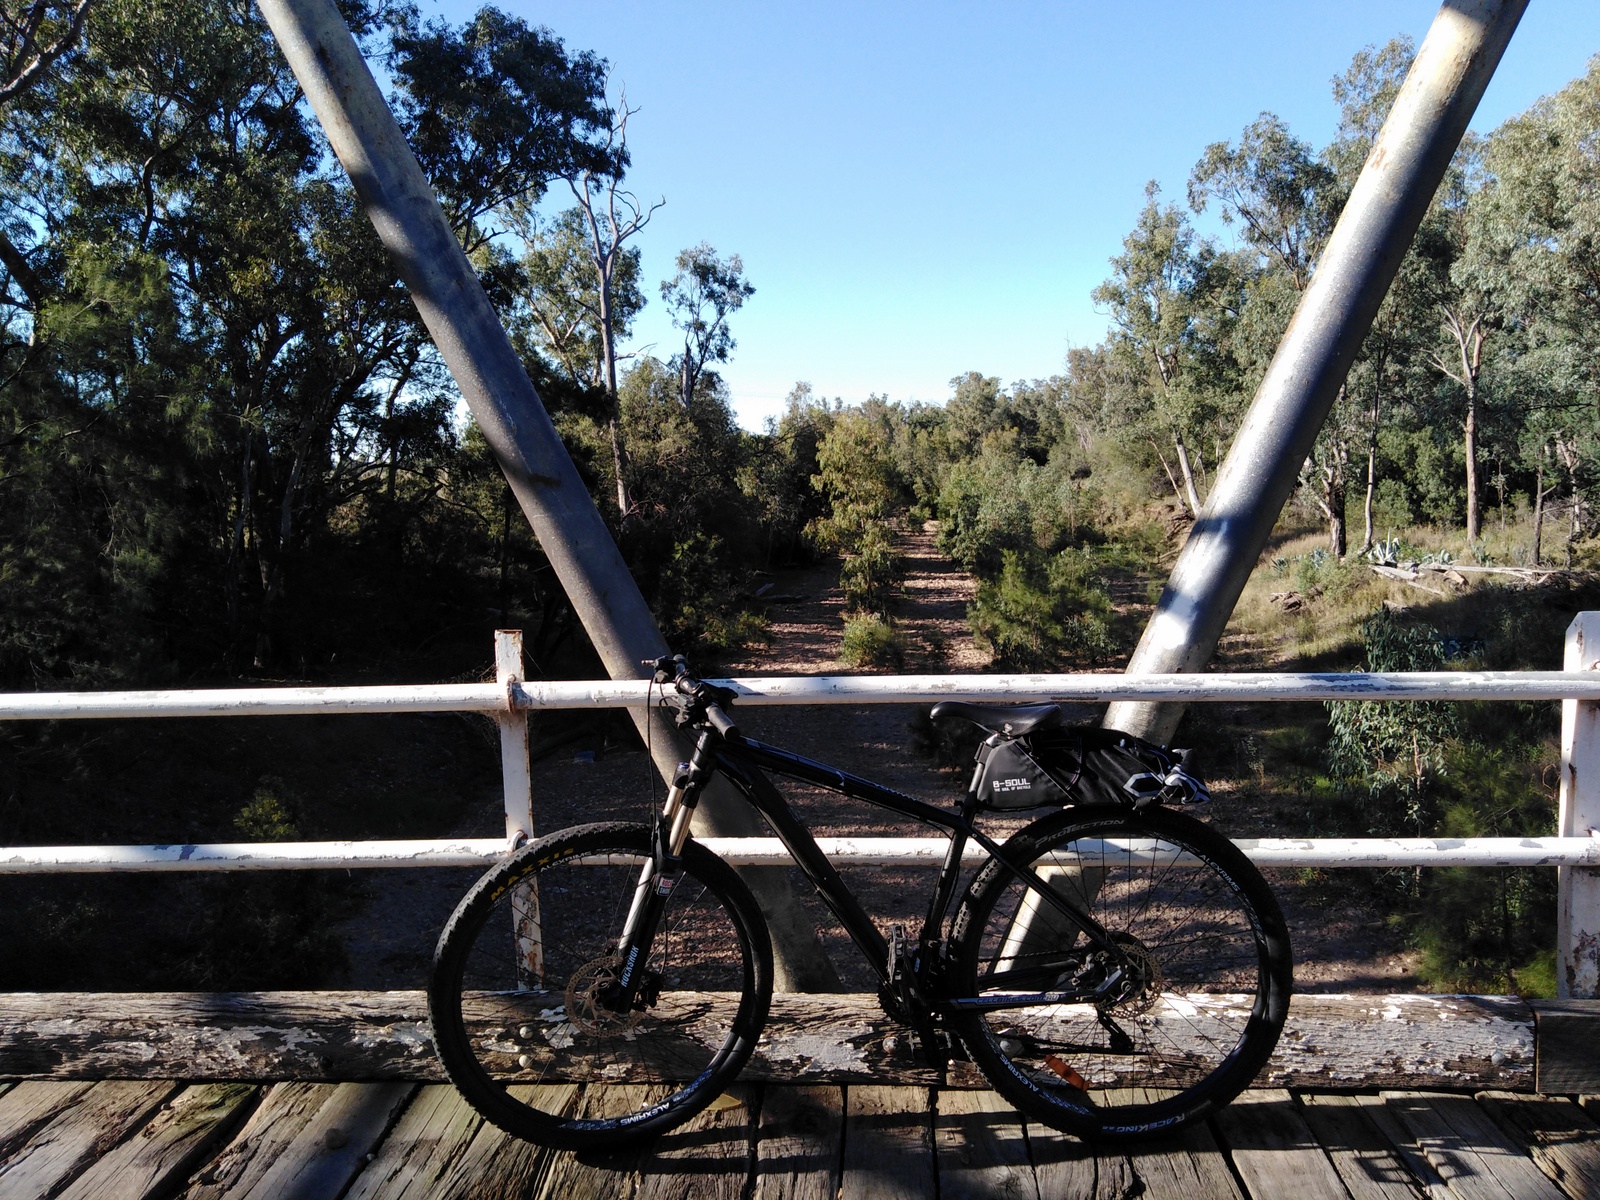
x: 467, y: 330
x: 1390, y: 198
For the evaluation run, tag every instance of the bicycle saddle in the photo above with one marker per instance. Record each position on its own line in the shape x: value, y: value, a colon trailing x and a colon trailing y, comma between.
x: 1012, y: 720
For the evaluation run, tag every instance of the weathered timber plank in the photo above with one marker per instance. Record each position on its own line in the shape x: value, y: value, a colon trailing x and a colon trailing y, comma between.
x: 29, y: 1106
x: 612, y: 1175
x: 1330, y: 1041
x: 426, y: 1142
x: 887, y: 1144
x: 1367, y: 1162
x: 497, y: 1165
x: 1067, y: 1166
x: 333, y: 1146
x: 76, y: 1136
x: 308, y: 1144
x: 1274, y: 1150
x: 1388, y: 1123
x: 1404, y: 1041
x: 709, y: 1157
x: 1569, y: 1045
x: 799, y: 1142
x: 217, y: 1035
x: 160, y: 1156
x: 1474, y: 1158
x: 282, y: 1113
x: 980, y: 1148
x: 1185, y: 1166
x: 1560, y: 1138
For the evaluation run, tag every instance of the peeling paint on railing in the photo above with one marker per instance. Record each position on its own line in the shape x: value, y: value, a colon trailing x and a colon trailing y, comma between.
x: 857, y: 851
x: 819, y: 689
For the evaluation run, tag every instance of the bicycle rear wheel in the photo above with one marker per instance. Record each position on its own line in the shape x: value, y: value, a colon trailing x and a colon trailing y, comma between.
x: 514, y: 995
x: 1204, y: 981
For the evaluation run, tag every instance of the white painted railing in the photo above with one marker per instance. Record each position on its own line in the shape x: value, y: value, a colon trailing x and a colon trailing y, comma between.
x: 1575, y: 850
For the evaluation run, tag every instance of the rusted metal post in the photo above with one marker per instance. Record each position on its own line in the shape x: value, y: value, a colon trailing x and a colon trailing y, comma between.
x: 516, y: 781
x: 467, y: 330
x: 1390, y: 198
x: 516, y: 777
x: 1578, y: 889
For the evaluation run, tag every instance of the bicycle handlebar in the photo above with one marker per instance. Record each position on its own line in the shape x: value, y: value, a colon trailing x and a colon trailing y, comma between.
x: 703, y: 695
x: 720, y: 721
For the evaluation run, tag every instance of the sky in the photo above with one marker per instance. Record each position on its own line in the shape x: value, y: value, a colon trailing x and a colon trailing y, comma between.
x: 922, y: 190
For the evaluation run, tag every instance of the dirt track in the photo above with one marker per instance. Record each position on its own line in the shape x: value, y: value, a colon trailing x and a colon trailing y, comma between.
x: 1338, y: 944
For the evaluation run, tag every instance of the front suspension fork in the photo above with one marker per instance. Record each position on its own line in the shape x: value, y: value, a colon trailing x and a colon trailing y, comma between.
x: 658, y: 876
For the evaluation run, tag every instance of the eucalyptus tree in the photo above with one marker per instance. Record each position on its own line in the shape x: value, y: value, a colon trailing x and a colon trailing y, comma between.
x: 701, y: 297
x: 1364, y: 93
x: 562, y: 296
x: 1284, y: 198
x: 496, y: 110
x: 1172, y: 306
x: 1533, y: 241
x: 609, y: 215
x: 215, y: 302
x: 34, y: 34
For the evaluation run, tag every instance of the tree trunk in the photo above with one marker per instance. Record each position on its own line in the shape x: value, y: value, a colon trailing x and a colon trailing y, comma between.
x: 1474, y: 524
x: 1172, y: 479
x: 1538, y: 510
x: 1338, y: 542
x: 1191, y: 495
x: 1500, y: 487
x: 686, y: 379
x: 623, y: 503
x: 507, y: 500
x: 1366, y: 505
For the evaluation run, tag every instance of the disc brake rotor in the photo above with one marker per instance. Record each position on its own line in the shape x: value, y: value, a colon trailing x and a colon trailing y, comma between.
x: 584, y: 1008
x: 1145, y: 980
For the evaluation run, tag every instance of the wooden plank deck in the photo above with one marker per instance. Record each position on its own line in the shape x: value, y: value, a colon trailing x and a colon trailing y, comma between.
x: 149, y: 1139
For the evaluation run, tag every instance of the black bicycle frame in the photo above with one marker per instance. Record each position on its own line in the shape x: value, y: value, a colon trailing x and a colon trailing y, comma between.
x: 745, y: 762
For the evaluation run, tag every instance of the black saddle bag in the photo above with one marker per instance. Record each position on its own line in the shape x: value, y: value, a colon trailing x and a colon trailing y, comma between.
x: 1081, y: 765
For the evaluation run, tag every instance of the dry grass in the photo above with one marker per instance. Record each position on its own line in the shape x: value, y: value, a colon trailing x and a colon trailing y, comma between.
x: 1318, y: 626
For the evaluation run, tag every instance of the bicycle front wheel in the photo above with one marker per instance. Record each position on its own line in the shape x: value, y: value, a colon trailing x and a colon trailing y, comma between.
x: 515, y: 996
x: 1189, y: 1007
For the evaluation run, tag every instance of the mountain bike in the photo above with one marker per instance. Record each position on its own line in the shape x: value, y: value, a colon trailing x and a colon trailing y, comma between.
x: 1116, y: 969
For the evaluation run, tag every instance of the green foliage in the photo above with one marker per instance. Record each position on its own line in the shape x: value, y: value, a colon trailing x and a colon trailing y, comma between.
x: 855, y: 470
x: 1036, y: 615
x: 1490, y: 930
x: 871, y: 641
x: 998, y: 502
x: 267, y: 817
x: 1450, y: 770
x: 1391, y: 755
x: 693, y: 537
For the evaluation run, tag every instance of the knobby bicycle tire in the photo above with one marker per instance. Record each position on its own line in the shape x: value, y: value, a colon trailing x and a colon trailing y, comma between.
x: 519, y: 1028
x: 1207, y: 985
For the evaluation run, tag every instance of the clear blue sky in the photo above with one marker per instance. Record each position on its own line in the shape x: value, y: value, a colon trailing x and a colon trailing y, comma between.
x: 920, y: 190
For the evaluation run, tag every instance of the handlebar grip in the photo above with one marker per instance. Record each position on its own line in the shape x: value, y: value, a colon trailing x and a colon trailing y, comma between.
x: 721, y: 722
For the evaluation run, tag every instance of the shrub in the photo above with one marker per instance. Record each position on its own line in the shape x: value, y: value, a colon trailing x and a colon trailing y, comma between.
x: 1036, y: 615
x: 1389, y: 755
x: 870, y: 641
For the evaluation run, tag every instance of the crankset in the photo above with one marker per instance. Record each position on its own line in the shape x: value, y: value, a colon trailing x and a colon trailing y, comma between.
x: 902, y: 1000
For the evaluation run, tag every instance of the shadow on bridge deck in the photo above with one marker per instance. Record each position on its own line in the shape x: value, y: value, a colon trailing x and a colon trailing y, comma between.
x: 138, y: 1139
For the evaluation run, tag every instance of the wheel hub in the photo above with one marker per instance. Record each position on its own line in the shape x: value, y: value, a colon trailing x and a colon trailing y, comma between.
x: 1142, y: 980
x: 585, y: 1006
